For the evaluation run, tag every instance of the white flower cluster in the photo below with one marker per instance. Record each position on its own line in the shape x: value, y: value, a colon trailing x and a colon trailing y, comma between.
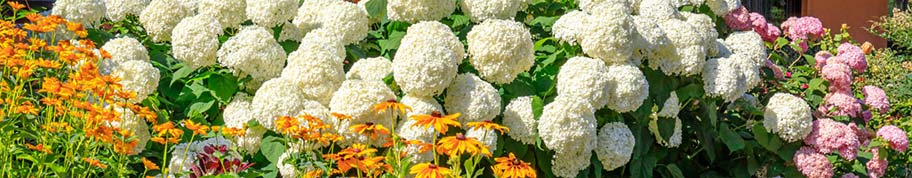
x: 230, y: 14
x: 585, y: 79
x: 129, y: 121
x: 370, y: 69
x: 500, y: 49
x: 427, y: 59
x: 788, y: 116
x: 118, y: 10
x: 139, y: 77
x: 649, y: 40
x: 688, y: 52
x: 236, y: 115
x: 722, y: 7
x: 195, y: 41
x: 277, y: 97
x: 253, y: 52
x: 317, y: 73
x: 420, y: 105
x: 565, y: 28
x: 615, y: 145
x: 671, y: 107
x: 607, y: 33
x: 520, y: 119
x: 482, y: 10
x: 122, y: 50
x: 356, y: 98
x: 486, y: 137
x: 271, y: 13
x: 732, y: 76
x: 627, y: 87
x: 568, y: 126
x: 83, y: 11
x: 419, y: 10
x: 476, y: 99
x: 675, y: 139
x: 338, y: 17
x: 160, y: 17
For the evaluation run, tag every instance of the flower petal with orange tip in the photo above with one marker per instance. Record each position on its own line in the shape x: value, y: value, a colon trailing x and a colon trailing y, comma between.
x: 149, y: 165
x: 436, y: 120
x: 512, y: 167
x: 429, y: 170
x: 488, y: 125
x: 391, y: 105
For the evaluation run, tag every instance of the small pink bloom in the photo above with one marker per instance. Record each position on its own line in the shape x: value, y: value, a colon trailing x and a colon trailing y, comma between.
x: 842, y: 103
x: 876, y: 98
x: 768, y: 33
x: 896, y: 136
x: 827, y: 136
x: 804, y: 86
x: 738, y: 19
x: 849, y: 175
x: 813, y: 164
x: 821, y: 58
x: 777, y: 71
x: 877, y: 166
x: 854, y: 56
x: 839, y: 75
x: 805, y: 28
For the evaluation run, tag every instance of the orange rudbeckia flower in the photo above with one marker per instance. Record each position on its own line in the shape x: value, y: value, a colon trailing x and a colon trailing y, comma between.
x: 459, y: 144
x: 370, y: 129
x: 429, y: 170
x: 392, y: 105
x: 512, y: 167
x: 488, y: 125
x: 440, y: 122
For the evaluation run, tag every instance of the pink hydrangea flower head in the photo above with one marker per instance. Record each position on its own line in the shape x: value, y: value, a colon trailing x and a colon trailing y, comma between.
x: 896, y: 136
x: 828, y: 136
x: 813, y: 164
x: 842, y: 103
x: 877, y: 166
x: 876, y: 98
x: 849, y: 175
x: 757, y: 20
x: 768, y: 33
x: 821, y: 58
x: 805, y: 28
x: 860, y: 132
x: 738, y: 19
x: 803, y: 45
x: 839, y: 75
x: 854, y: 56
x: 777, y: 71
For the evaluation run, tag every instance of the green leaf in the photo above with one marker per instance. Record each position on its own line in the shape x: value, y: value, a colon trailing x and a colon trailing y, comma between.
x: 201, y: 107
x: 666, y: 127
x: 538, y: 106
x: 675, y: 171
x: 181, y: 73
x: 223, y: 86
x: 815, y: 84
x: 690, y: 91
x: 392, y: 42
x: 764, y: 138
x: 272, y: 147
x: 460, y: 20
x: 99, y: 36
x: 376, y: 8
x: 731, y: 138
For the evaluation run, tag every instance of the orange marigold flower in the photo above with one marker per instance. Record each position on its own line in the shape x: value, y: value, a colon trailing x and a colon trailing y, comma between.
x: 488, y: 125
x: 512, y: 167
x: 392, y: 105
x: 228, y: 131
x: 429, y: 170
x: 438, y: 121
x: 27, y: 108
x: 15, y: 5
x: 370, y: 129
x: 286, y: 124
x: 356, y: 150
x: 39, y: 147
x: 51, y: 101
x: 95, y: 162
x: 314, y: 173
x: 341, y: 116
x: 149, y: 164
x: 197, y: 128
x: 460, y: 144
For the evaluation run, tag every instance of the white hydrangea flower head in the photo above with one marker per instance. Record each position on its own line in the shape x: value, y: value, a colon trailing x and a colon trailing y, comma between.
x: 126, y: 49
x: 420, y: 105
x: 230, y: 14
x: 722, y: 7
x: 286, y: 169
x: 568, y: 27
x: 615, y: 145
x: 118, y: 10
x: 191, y: 5
x: 139, y: 77
x: 290, y: 32
x: 627, y: 87
x: 748, y: 43
x: 482, y: 10
x: 606, y: 34
x: 568, y: 165
x: 412, y: 11
x: 648, y: 40
x: 376, y: 68
x: 324, y: 40
x: 788, y: 116
x: 723, y: 50
x: 129, y: 121
x: 675, y: 139
x: 688, y: 54
x: 356, y: 98
x: 706, y: 28
x: 590, y: 6
x: 730, y: 77
x: 277, y: 97
x: 427, y: 59
x: 500, y: 50
x: 236, y: 115
x: 486, y: 137
x: 671, y: 107
x: 253, y: 52
x: 316, y: 72
x: 568, y: 125
x: 659, y: 10
x: 339, y: 17
x: 87, y: 12
x: 160, y: 17
x: 476, y: 99
x: 270, y: 13
x: 585, y: 79
x: 520, y: 119
x: 195, y: 41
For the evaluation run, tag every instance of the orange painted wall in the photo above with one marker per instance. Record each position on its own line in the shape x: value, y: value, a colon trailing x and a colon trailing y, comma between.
x: 855, y: 13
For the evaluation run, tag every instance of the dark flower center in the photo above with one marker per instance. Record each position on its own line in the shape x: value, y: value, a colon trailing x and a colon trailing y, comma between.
x: 436, y: 114
x: 459, y: 136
